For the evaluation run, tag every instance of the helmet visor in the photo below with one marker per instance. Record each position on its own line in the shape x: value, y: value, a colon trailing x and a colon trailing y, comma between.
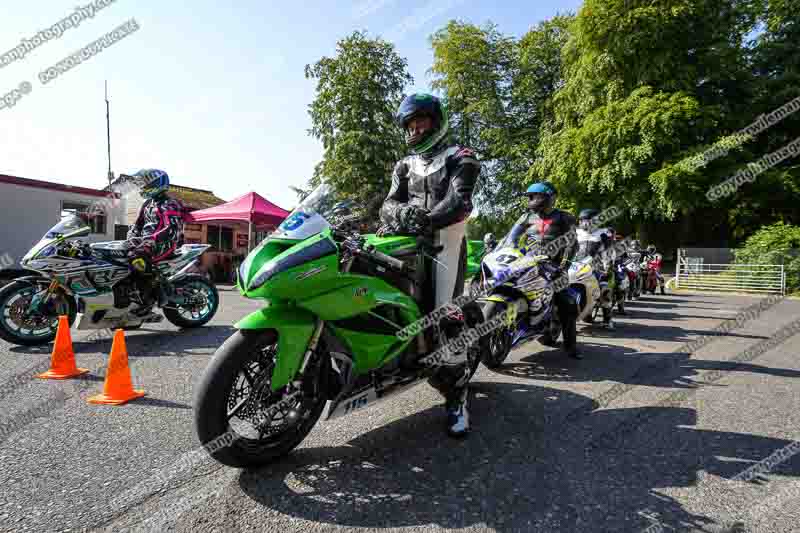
x: 538, y: 201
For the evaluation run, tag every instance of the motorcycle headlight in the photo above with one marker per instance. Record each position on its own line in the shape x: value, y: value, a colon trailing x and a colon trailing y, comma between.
x: 306, y: 254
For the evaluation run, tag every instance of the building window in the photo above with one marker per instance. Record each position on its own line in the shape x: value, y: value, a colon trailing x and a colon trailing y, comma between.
x: 215, y: 233
x: 97, y: 220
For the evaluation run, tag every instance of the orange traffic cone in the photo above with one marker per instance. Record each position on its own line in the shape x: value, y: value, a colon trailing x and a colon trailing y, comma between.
x: 62, y: 361
x: 118, y: 387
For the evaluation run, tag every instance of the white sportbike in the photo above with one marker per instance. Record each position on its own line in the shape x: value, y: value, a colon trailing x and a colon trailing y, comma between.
x: 91, y: 284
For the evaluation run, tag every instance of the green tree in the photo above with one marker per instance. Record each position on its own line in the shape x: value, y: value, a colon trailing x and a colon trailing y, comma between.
x: 357, y: 93
x: 497, y: 88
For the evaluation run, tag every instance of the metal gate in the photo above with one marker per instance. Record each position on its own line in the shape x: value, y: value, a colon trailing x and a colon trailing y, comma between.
x: 693, y: 272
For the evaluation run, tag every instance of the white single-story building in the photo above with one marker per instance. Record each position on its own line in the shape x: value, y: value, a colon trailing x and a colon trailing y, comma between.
x: 28, y: 208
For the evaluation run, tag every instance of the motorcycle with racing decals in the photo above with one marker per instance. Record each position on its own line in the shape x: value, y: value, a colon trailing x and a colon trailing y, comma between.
x: 521, y: 286
x: 344, y: 324
x: 91, y: 284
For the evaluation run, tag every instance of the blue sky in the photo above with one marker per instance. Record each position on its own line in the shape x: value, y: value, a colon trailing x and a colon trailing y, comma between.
x: 214, y: 94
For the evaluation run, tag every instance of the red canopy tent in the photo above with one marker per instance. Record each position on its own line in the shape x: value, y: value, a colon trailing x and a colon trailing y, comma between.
x: 251, y: 207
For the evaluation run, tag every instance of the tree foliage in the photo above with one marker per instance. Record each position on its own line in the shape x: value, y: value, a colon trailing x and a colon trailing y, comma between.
x: 611, y: 104
x: 777, y: 243
x: 357, y: 93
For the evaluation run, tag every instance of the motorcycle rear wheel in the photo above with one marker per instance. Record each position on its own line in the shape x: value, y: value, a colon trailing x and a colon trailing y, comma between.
x: 247, y: 358
x: 197, y: 315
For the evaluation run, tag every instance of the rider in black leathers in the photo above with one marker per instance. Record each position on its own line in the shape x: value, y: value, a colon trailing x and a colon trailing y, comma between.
x: 597, y: 243
x: 431, y: 194
x: 542, y: 226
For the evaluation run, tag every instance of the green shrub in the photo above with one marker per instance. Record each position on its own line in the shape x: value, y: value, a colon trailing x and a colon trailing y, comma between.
x: 775, y: 244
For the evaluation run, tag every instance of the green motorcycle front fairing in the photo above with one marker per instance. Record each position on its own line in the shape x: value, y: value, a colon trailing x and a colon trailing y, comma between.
x: 301, y: 283
x: 294, y: 326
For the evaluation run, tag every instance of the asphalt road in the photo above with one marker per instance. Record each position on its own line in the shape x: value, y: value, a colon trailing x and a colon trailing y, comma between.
x: 638, y: 435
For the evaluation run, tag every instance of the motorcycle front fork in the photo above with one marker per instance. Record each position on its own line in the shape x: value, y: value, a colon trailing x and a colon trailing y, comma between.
x: 41, y: 298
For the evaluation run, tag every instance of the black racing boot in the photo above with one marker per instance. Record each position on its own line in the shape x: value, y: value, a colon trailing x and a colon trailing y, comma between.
x: 547, y: 340
x: 608, y: 319
x: 570, y: 331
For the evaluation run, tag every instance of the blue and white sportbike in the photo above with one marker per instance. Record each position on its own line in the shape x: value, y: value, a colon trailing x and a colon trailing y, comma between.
x: 91, y: 284
x: 521, y: 287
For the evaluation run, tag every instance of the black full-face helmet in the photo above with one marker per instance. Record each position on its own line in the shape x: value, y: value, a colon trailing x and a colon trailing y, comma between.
x: 417, y: 105
x: 585, y: 218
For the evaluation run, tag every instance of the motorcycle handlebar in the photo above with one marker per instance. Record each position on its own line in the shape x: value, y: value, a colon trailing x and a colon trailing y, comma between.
x: 388, y: 260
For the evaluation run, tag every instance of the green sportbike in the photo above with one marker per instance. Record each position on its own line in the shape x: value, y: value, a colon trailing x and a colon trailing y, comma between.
x: 334, y: 328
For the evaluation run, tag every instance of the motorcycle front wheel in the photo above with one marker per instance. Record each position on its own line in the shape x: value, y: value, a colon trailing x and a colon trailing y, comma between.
x: 591, y: 318
x: 20, y: 326
x: 239, y: 419
x: 498, y: 342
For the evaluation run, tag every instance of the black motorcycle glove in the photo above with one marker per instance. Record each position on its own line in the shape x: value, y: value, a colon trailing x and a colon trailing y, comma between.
x: 414, y: 220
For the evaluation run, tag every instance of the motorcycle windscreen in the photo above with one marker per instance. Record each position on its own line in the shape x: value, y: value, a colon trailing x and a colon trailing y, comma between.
x: 300, y: 226
x: 312, y: 215
x: 67, y: 228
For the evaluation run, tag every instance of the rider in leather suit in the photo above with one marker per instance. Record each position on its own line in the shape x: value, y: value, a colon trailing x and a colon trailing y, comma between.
x: 598, y: 244
x: 489, y: 243
x: 431, y: 194
x: 156, y: 234
x: 537, y: 229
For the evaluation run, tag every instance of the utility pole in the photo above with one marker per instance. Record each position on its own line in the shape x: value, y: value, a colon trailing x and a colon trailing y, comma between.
x: 108, y: 140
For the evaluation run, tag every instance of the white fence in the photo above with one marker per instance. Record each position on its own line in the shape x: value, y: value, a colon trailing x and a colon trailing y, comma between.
x: 693, y: 272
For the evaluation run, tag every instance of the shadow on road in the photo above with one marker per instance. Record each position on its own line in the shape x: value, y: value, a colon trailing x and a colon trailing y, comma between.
x: 664, y: 302
x: 156, y: 402
x: 645, y: 332
x: 514, y: 472
x: 650, y: 315
x: 605, y: 362
x: 144, y: 342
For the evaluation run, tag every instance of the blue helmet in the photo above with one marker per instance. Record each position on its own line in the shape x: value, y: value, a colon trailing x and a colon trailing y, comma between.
x: 542, y: 187
x: 542, y: 196
x: 155, y: 181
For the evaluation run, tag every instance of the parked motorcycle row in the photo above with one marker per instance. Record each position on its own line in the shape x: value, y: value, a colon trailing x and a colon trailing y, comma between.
x: 331, y: 331
x: 597, y: 286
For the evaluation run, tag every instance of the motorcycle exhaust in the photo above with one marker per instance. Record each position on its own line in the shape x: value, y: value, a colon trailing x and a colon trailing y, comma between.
x: 368, y: 398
